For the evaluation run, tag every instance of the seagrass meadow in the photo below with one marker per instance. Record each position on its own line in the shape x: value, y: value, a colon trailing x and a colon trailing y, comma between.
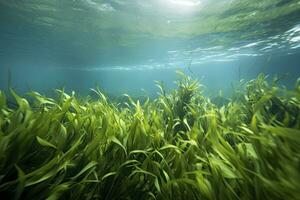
x: 180, y: 145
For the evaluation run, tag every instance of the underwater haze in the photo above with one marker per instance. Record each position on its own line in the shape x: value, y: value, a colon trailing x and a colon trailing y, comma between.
x: 150, y: 99
x: 123, y: 46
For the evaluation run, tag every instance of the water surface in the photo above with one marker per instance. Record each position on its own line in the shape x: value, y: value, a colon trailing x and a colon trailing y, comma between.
x: 124, y: 46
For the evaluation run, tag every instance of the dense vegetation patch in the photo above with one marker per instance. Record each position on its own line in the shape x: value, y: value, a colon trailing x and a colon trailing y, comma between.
x: 178, y: 146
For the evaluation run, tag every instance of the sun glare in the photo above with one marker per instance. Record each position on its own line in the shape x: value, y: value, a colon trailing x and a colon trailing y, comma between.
x: 181, y: 6
x: 185, y: 3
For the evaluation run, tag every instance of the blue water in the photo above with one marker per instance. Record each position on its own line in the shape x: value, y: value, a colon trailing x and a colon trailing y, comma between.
x: 123, y: 46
